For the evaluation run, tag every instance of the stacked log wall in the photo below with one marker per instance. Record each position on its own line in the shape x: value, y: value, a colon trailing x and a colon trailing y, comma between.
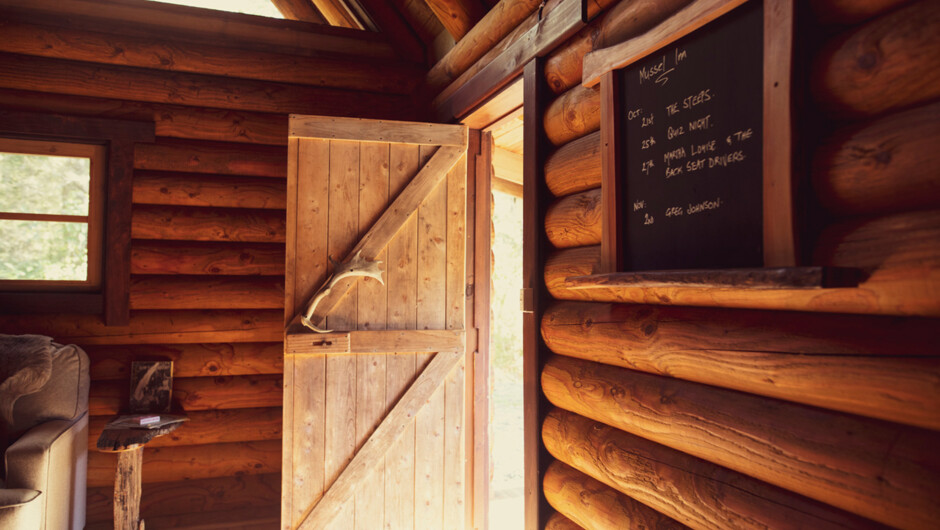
x: 743, y: 408
x: 208, y: 229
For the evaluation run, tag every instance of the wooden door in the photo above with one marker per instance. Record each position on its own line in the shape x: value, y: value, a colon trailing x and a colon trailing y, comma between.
x: 374, y: 411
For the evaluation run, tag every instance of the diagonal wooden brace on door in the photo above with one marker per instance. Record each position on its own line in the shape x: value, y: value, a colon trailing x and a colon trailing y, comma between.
x: 321, y: 512
x: 378, y: 236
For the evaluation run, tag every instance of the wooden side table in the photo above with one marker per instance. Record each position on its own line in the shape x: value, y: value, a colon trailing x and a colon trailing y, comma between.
x: 128, y: 443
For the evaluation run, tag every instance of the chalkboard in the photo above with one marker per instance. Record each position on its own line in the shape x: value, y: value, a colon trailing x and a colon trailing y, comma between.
x: 691, y: 147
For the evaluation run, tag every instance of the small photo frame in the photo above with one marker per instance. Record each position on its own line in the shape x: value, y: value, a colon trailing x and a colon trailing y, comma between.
x: 151, y: 386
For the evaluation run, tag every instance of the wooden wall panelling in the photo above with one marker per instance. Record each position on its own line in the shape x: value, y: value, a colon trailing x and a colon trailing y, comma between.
x: 339, y: 72
x: 880, y: 367
x: 593, y: 504
x: 211, y: 157
x: 154, y: 327
x: 199, y: 292
x: 402, y: 279
x: 432, y: 303
x: 195, y: 393
x: 153, y: 187
x: 372, y: 314
x: 211, y: 427
x: 214, y: 495
x: 189, y: 360
x: 191, y: 25
x: 207, y: 224
x: 207, y: 258
x: 80, y: 79
x: 191, y: 462
x: 688, y: 489
x: 575, y: 166
x: 881, y: 65
x: 844, y: 464
x: 343, y: 229
x: 170, y: 121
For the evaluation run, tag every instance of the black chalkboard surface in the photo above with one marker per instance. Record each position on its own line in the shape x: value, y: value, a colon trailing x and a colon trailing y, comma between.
x: 691, y: 148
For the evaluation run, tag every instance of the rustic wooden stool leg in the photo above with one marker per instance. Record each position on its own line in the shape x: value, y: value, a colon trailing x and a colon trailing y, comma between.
x: 127, y: 490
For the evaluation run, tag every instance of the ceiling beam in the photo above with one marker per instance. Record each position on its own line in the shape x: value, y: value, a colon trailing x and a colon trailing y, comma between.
x: 457, y: 16
x: 301, y: 10
x: 337, y: 13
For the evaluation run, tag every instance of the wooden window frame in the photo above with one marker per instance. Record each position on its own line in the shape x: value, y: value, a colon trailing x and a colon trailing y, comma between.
x: 94, y: 219
x: 115, y: 140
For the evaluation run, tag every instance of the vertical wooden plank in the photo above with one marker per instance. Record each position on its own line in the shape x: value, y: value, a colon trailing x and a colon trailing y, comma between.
x: 370, y: 369
x: 341, y: 369
x: 308, y: 405
x: 455, y: 472
x: 400, y: 367
x: 287, y: 436
x: 309, y: 422
x: 482, y: 253
x: 536, y: 198
x: 780, y: 243
x: 127, y: 488
x: 432, y: 306
x: 473, y: 151
x: 293, y: 151
x: 610, y: 171
x: 313, y: 196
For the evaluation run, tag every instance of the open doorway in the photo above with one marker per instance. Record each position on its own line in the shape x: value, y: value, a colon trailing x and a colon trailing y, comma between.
x: 503, y: 386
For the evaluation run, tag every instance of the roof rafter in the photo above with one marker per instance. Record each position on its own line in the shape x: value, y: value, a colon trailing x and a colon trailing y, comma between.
x: 302, y: 10
x: 457, y: 16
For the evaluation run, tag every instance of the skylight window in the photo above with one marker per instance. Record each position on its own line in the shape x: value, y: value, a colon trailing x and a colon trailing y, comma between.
x: 263, y: 8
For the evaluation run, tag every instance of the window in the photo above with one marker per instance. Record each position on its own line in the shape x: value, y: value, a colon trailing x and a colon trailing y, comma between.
x: 65, y: 213
x: 51, y: 215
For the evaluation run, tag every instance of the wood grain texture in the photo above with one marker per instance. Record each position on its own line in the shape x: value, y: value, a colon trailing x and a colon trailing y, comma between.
x: 171, y: 121
x: 299, y: 10
x: 685, y: 21
x: 495, y: 25
x: 593, y: 504
x: 690, y: 490
x: 832, y: 457
x: 189, y: 360
x: 882, y: 166
x: 198, y: 292
x: 879, y: 367
x: 392, y: 427
x: 127, y: 488
x: 209, y: 258
x: 185, y: 189
x: 623, y: 21
x: 558, y: 521
x: 217, y: 158
x: 575, y: 220
x: 324, y: 71
x: 211, y: 427
x: 882, y: 65
x: 207, y: 224
x: 404, y: 132
x: 190, y: 462
x: 572, y: 115
x: 191, y: 25
x: 154, y: 327
x: 457, y: 16
x: 196, y: 393
x: 895, y: 253
x: 86, y: 79
x: 575, y: 166
x: 214, y: 495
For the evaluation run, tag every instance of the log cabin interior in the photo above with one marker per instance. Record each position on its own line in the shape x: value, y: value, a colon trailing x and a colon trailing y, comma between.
x: 731, y: 259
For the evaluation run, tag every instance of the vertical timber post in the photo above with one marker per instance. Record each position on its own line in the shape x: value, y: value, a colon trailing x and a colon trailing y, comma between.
x: 534, y: 295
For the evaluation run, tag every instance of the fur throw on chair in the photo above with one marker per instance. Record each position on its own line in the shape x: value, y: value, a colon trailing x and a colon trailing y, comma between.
x: 25, y: 366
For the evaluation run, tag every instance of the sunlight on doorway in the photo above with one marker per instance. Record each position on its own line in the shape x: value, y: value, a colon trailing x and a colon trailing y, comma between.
x: 506, y: 411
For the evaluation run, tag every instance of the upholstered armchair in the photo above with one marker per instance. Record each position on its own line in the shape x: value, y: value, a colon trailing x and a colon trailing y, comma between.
x: 43, y: 433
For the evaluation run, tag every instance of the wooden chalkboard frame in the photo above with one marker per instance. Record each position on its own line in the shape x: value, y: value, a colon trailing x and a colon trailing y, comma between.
x: 779, y: 229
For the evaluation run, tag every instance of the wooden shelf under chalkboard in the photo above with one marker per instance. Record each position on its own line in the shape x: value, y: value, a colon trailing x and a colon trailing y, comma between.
x: 756, y: 278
